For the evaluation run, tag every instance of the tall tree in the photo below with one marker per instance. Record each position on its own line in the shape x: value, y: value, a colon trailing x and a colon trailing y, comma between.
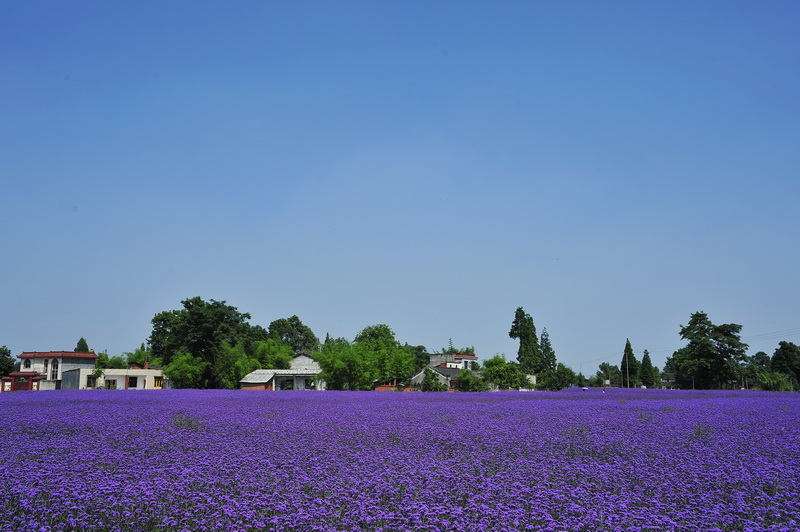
x: 198, y: 329
x: 646, y: 375
x: 629, y: 366
x: 6, y: 362
x: 294, y: 333
x: 82, y: 346
x: 548, y: 353
x: 712, y: 354
x: 786, y: 360
x: 529, y: 354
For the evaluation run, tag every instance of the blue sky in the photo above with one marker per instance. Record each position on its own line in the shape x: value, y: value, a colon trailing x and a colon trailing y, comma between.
x: 611, y: 167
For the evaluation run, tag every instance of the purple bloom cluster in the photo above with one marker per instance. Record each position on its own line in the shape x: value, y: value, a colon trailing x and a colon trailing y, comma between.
x: 236, y: 460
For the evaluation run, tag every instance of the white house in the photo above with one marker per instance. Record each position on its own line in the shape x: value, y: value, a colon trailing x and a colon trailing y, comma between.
x: 302, y: 375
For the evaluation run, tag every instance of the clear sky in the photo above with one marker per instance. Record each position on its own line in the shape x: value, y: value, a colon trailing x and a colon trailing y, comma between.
x: 612, y: 167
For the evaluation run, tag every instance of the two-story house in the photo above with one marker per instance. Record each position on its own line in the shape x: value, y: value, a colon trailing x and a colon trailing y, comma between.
x: 43, y: 370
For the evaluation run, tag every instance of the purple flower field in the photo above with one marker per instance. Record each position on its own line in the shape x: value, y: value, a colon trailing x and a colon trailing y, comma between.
x: 236, y: 460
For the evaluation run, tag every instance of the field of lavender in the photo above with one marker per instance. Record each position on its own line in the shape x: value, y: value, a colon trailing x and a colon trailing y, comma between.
x: 236, y: 460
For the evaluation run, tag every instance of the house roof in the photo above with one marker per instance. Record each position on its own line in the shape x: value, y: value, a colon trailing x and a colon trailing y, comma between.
x: 265, y: 375
x: 56, y: 354
x: 465, y: 355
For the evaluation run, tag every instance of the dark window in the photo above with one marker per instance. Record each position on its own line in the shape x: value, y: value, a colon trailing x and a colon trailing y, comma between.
x: 133, y: 382
x: 27, y: 364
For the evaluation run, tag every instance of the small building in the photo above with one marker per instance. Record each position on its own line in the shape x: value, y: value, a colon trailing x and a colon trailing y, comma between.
x: 452, y: 360
x: 44, y: 370
x: 303, y: 374
x: 134, y: 377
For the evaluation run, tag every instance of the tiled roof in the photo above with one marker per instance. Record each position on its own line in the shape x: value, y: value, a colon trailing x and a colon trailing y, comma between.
x: 56, y: 354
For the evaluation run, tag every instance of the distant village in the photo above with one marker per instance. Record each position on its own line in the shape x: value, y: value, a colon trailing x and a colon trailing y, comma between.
x: 70, y: 370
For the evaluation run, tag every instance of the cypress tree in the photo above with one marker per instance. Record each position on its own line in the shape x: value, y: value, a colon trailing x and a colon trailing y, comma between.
x: 548, y: 354
x: 629, y: 366
x: 529, y: 354
x: 646, y: 370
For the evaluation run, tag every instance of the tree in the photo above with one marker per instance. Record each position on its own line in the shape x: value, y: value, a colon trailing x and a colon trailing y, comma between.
x: 711, y: 357
x: 6, y: 361
x: 199, y: 329
x: 607, y: 372
x: 504, y: 375
x: 431, y: 383
x: 646, y: 375
x: 786, y: 360
x: 186, y: 371
x: 343, y: 368
x: 421, y: 356
x: 466, y: 381
x: 272, y: 353
x: 386, y: 359
x: 140, y: 355
x: 548, y: 354
x: 292, y: 332
x: 529, y: 354
x: 232, y: 364
x: 82, y: 346
x: 558, y: 378
x: 629, y: 366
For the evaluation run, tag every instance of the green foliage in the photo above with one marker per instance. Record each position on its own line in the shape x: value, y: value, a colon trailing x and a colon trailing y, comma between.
x: 140, y: 355
x: 273, y: 354
x: 82, y: 346
x: 558, y: 378
x: 293, y: 333
x: 6, y: 361
x: 466, y: 381
x: 231, y: 364
x: 548, y: 354
x: 786, y: 360
x: 186, y: 371
x: 103, y: 361
x: 343, y: 367
x: 453, y: 350
x: 607, y: 372
x: 629, y: 366
x: 504, y: 375
x: 774, y: 381
x: 431, y: 383
x: 200, y: 328
x: 713, y: 356
x: 421, y: 356
x: 646, y: 375
x: 529, y: 354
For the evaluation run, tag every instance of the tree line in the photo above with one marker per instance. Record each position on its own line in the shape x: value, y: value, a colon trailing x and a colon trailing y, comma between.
x: 210, y: 344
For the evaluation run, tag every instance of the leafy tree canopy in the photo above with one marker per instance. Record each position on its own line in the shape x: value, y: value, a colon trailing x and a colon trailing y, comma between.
x: 712, y: 355
x: 199, y: 329
x: 294, y: 333
x: 558, y: 378
x: 82, y: 346
x: 6, y: 361
x: 786, y: 360
x: 505, y: 375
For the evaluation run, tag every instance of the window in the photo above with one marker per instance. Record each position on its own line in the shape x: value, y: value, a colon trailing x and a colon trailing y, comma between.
x: 45, y: 367
x: 158, y: 382
x: 91, y: 381
x: 111, y: 384
x: 55, y: 370
x: 133, y: 382
x: 27, y: 364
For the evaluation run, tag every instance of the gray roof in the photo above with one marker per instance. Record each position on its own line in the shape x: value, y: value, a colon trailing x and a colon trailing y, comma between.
x: 265, y: 375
